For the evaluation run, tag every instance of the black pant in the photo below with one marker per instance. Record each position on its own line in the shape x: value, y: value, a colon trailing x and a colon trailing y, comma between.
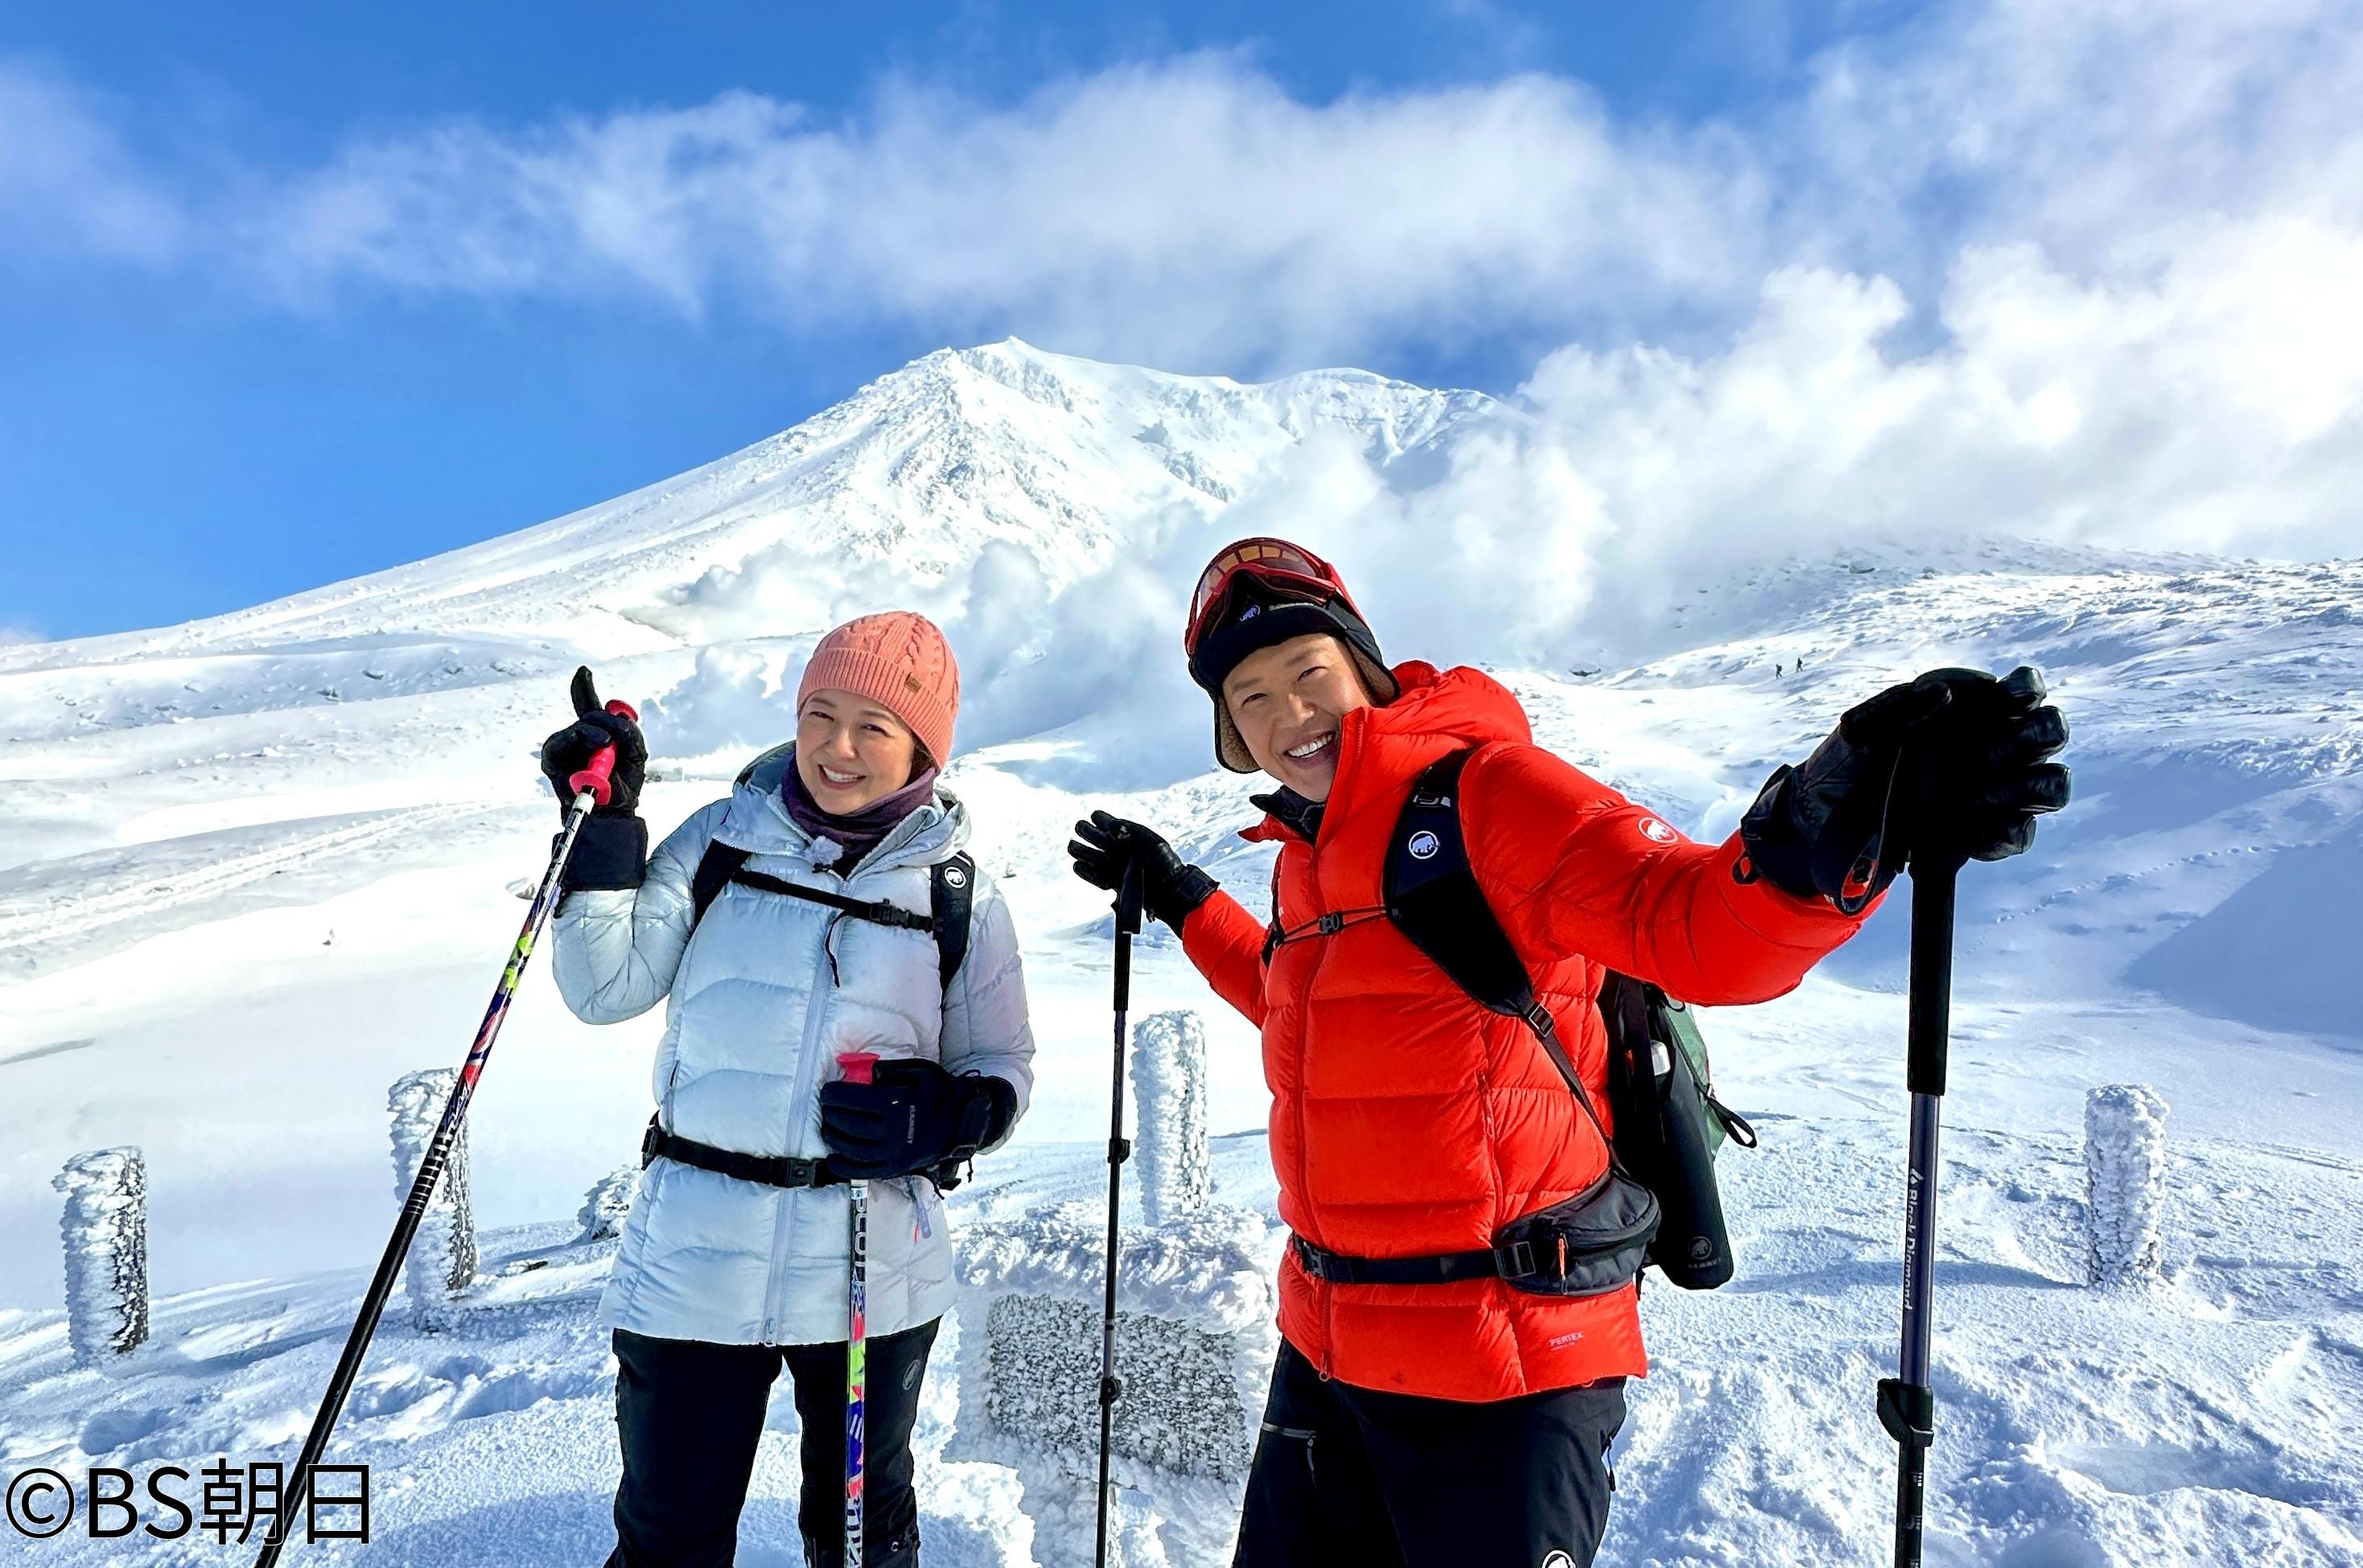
x: 690, y: 1413
x: 1347, y: 1474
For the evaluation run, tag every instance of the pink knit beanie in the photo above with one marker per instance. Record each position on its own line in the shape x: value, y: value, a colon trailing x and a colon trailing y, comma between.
x: 898, y: 661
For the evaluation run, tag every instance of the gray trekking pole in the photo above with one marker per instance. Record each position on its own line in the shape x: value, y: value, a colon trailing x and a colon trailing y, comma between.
x: 1128, y: 923
x: 591, y: 788
x: 1907, y: 1406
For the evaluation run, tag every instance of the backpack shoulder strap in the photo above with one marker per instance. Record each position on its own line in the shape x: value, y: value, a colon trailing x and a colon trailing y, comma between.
x: 716, y: 867
x: 951, y: 890
x: 1433, y: 898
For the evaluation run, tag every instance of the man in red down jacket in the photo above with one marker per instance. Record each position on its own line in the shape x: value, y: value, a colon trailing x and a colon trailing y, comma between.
x: 1468, y: 1423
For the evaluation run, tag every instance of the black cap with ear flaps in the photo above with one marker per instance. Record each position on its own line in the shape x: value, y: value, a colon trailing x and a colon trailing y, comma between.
x: 1259, y: 621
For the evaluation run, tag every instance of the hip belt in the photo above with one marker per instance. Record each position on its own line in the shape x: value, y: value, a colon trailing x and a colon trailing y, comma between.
x: 1590, y: 1244
x: 769, y: 1170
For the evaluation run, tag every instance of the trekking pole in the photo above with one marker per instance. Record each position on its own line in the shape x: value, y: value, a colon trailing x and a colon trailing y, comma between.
x: 856, y: 1066
x: 591, y: 788
x: 1128, y: 922
x: 1907, y: 1406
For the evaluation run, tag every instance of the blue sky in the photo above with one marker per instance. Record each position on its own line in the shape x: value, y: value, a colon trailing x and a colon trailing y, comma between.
x: 287, y: 295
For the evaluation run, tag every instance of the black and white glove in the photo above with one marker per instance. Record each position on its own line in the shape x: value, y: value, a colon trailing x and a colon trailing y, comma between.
x: 1956, y: 765
x: 612, y: 849
x: 1103, y: 846
x: 912, y: 1117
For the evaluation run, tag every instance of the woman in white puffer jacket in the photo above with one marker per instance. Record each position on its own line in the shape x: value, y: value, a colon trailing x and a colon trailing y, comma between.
x: 735, y: 1259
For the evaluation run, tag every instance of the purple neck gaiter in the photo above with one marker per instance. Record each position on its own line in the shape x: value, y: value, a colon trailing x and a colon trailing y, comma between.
x: 856, y: 833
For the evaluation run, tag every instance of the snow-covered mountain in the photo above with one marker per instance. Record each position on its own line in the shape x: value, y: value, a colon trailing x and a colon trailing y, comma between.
x: 258, y: 865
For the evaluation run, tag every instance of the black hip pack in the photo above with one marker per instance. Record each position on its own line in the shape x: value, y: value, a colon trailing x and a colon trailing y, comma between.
x: 1663, y: 1210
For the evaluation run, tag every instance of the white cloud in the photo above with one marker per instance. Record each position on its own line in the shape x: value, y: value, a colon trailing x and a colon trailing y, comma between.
x: 1171, y: 212
x: 68, y: 184
x: 1190, y: 212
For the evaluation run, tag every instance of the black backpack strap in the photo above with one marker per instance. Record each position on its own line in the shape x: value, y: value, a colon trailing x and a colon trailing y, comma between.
x: 716, y: 869
x: 1272, y: 932
x: 951, y: 890
x: 1434, y: 900
x: 877, y: 911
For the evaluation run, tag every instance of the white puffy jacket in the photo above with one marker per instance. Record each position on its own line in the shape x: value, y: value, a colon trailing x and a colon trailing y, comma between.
x: 763, y: 996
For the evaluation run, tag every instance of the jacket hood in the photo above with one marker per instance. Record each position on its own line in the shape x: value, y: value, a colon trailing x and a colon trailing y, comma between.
x: 1437, y: 712
x: 757, y: 819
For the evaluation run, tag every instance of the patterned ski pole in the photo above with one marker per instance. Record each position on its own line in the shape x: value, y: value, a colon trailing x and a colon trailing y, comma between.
x: 856, y: 1066
x: 591, y: 788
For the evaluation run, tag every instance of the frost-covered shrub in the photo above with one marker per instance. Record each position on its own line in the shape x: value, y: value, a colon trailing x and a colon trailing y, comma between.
x: 443, y: 1255
x: 106, y: 1230
x: 607, y: 1205
x: 2125, y: 1182
x: 1168, y: 1064
x: 1194, y: 1347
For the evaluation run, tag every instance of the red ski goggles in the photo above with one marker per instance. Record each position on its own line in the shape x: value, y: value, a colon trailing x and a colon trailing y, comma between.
x: 1282, y: 570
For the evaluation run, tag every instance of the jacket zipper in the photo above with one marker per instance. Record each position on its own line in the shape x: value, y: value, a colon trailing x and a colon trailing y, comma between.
x: 1326, y: 1364
x: 815, y: 1009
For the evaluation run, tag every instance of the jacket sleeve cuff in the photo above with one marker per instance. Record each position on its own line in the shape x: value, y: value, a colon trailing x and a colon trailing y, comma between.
x: 611, y: 852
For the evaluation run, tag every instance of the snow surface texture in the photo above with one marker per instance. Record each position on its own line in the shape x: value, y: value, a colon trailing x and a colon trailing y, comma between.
x: 2125, y: 1182
x: 442, y: 1260
x: 106, y: 1230
x: 607, y: 1205
x: 1194, y: 1344
x: 1168, y: 1076
x: 258, y: 866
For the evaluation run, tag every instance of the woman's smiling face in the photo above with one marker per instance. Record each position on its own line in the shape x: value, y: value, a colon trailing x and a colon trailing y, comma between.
x: 1286, y: 702
x: 850, y: 752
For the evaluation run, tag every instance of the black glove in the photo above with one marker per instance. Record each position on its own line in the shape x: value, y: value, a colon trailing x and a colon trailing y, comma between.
x: 612, y: 849
x: 1955, y: 764
x: 595, y: 729
x: 1103, y: 846
x: 912, y: 1117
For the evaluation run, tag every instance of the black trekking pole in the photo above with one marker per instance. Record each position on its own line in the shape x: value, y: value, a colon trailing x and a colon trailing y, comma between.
x: 1907, y: 1406
x: 591, y: 788
x: 1128, y: 923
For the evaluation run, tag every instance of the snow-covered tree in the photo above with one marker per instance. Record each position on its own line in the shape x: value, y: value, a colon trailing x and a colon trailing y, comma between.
x: 106, y: 1230
x: 443, y: 1255
x: 607, y: 1205
x: 2125, y: 1182
x: 1169, y: 1075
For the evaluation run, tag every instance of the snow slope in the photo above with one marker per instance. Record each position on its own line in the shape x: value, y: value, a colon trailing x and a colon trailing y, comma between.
x: 260, y: 866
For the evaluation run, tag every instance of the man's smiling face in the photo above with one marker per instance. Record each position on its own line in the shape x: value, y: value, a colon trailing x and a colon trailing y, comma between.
x: 1287, y: 701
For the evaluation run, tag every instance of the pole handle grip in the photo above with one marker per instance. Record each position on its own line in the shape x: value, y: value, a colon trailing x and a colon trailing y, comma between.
x: 594, y: 777
x: 857, y: 1065
x: 1130, y: 896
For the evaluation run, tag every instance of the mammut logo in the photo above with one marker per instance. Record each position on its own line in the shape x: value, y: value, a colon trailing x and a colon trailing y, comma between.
x: 1424, y: 845
x: 1559, y: 1560
x: 1656, y: 831
x: 955, y: 877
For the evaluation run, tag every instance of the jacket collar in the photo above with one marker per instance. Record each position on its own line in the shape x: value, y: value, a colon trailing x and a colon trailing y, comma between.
x: 758, y: 820
x: 1382, y: 750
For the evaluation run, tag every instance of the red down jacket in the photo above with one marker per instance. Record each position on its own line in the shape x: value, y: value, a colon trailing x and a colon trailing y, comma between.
x: 1405, y: 1118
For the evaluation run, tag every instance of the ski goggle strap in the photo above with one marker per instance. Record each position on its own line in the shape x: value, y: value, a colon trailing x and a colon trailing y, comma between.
x: 1276, y: 564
